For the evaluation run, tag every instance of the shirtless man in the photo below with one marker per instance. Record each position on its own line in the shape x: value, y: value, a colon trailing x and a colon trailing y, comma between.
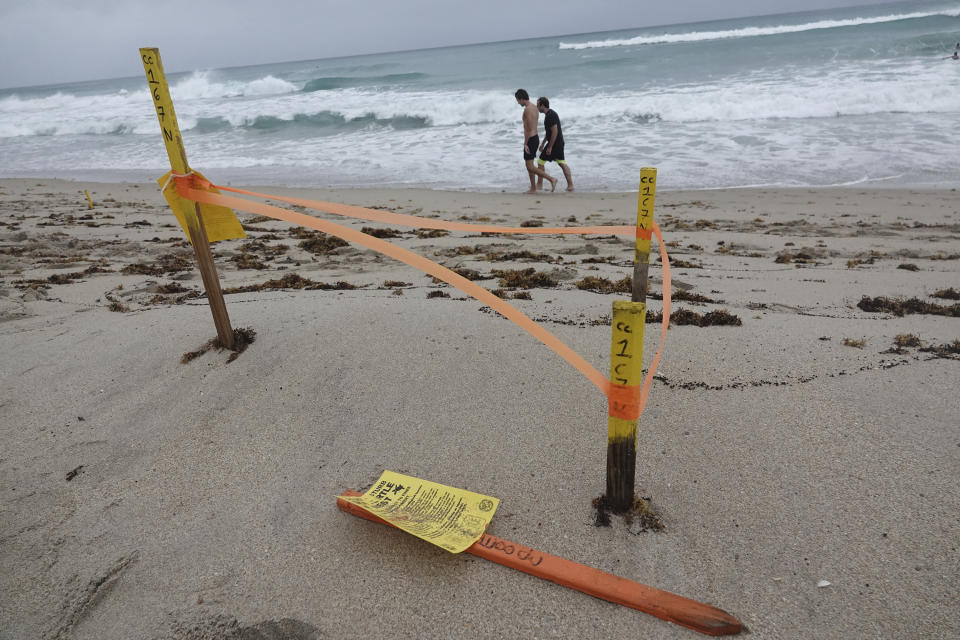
x: 531, y: 141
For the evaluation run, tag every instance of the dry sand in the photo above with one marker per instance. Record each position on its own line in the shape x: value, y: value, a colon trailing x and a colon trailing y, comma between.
x: 145, y: 498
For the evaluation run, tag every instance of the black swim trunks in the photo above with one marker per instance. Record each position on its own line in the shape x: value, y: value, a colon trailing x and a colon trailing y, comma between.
x: 530, y: 152
x: 556, y: 154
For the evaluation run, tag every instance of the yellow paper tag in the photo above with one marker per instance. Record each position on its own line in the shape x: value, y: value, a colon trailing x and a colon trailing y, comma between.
x: 450, y: 518
x: 221, y: 223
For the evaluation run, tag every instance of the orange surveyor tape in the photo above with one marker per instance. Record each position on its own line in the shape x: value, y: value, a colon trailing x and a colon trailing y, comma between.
x: 373, y: 215
x: 624, y: 401
x: 600, y: 584
x: 192, y: 189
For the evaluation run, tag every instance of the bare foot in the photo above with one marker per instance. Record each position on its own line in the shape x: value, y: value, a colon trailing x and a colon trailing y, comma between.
x: 570, y: 188
x: 540, y: 186
x: 553, y: 184
x: 530, y: 190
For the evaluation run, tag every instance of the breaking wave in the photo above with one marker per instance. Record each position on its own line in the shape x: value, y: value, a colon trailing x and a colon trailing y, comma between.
x: 749, y: 32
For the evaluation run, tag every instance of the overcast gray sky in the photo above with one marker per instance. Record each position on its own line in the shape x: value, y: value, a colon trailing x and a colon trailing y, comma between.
x: 52, y: 41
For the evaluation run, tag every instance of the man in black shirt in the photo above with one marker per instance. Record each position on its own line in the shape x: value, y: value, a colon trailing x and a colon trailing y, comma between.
x: 551, y: 150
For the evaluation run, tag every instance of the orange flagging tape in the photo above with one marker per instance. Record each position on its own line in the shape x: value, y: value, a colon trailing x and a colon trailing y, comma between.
x: 192, y: 189
x: 624, y: 401
x: 362, y: 213
x: 668, y: 606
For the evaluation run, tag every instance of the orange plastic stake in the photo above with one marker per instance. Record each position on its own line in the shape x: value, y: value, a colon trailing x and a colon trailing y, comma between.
x: 668, y: 606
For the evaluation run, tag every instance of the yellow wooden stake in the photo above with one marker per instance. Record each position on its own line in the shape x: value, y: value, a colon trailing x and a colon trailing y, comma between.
x: 626, y: 360
x: 89, y: 201
x: 157, y: 83
x: 641, y: 254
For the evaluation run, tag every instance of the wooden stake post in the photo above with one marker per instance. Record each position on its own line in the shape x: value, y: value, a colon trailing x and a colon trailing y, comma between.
x: 626, y: 359
x: 157, y: 83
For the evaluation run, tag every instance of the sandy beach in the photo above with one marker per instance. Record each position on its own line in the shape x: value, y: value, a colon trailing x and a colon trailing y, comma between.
x: 804, y: 460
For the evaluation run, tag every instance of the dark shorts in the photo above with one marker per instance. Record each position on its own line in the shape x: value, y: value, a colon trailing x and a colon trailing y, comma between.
x: 556, y: 155
x: 533, y: 142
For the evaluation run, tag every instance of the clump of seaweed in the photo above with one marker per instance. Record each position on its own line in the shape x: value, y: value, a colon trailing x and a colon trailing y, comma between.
x: 859, y: 343
x: 31, y: 285
x: 242, y: 338
x: 684, y: 264
x: 172, y: 287
x: 950, y: 350
x: 248, y: 261
x: 167, y: 263
x: 598, y: 260
x: 496, y: 256
x: 733, y: 249
x: 804, y: 256
x: 522, y: 295
x: 431, y: 233
x: 901, y: 342
x: 437, y: 293
x: 908, y: 266
x: 382, y: 233
x: 946, y: 294
x: 64, y: 278
x: 685, y: 296
x: 258, y: 246
x: 721, y: 317
x: 532, y: 223
x: 906, y: 340
x: 67, y: 278
x: 463, y: 250
x: 602, y: 285
x: 470, y: 274
x: 317, y: 242
x: 524, y: 278
x: 290, y: 281
x: 900, y: 307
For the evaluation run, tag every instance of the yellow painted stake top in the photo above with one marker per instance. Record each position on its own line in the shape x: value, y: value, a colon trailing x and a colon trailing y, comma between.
x: 648, y: 192
x: 157, y: 82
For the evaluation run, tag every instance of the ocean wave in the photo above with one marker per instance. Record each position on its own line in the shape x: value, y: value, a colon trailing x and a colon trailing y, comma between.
x: 200, y: 85
x: 866, y: 88
x: 342, y: 82
x: 329, y: 122
x: 916, y: 89
x: 748, y: 32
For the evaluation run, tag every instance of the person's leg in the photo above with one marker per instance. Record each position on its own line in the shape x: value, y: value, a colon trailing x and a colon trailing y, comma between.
x: 542, y: 165
x: 566, y: 174
x: 534, y: 171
